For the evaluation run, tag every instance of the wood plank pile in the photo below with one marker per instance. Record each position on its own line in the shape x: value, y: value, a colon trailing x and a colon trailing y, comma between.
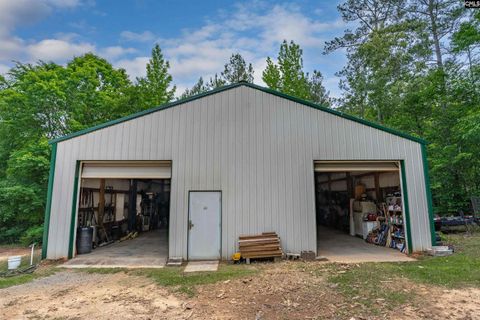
x: 265, y: 245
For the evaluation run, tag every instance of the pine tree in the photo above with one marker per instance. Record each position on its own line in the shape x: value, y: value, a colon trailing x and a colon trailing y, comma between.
x: 318, y: 93
x: 154, y: 89
x: 236, y: 70
x: 288, y: 76
x: 197, y: 88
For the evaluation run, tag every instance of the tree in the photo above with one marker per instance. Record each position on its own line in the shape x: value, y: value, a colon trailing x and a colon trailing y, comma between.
x: 39, y: 102
x: 96, y: 92
x: 197, y: 88
x: 390, y: 78
x: 466, y: 39
x: 318, y: 93
x: 288, y: 76
x: 235, y: 70
x: 154, y: 89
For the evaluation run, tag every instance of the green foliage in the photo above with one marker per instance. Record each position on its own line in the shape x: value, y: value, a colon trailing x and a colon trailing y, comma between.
x: 236, y: 70
x: 154, y: 89
x: 95, y: 92
x: 32, y: 235
x: 390, y: 78
x: 288, y: 76
x: 44, y: 101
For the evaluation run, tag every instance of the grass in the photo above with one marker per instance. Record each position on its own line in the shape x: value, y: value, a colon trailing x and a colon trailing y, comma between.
x: 186, y: 282
x: 42, y: 271
x: 373, y: 282
x: 182, y: 282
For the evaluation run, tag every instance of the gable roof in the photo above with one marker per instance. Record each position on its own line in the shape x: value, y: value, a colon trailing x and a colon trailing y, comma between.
x: 231, y: 86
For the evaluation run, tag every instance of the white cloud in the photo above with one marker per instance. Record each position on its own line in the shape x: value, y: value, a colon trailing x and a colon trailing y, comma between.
x: 24, y: 12
x: 255, y: 30
x: 58, y: 50
x: 115, y: 52
x: 13, y: 13
x: 145, y: 36
x: 135, y: 67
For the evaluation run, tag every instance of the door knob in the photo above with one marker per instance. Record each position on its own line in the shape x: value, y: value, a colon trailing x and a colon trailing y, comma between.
x: 190, y: 224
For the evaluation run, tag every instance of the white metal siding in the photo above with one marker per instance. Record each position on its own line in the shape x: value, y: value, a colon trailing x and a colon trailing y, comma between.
x: 257, y: 148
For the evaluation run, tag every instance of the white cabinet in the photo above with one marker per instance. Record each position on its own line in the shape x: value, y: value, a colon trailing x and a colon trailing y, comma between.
x: 368, y: 226
x: 360, y: 210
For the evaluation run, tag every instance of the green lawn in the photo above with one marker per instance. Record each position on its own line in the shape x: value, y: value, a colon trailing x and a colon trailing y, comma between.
x: 23, y: 278
x: 186, y: 282
x: 373, y: 282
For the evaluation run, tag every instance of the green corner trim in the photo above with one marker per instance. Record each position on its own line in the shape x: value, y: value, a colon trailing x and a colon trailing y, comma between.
x: 407, y: 207
x: 235, y: 85
x: 74, y: 211
x: 428, y: 193
x: 48, y: 205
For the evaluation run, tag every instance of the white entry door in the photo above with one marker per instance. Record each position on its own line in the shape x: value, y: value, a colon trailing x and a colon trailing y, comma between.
x: 204, y: 225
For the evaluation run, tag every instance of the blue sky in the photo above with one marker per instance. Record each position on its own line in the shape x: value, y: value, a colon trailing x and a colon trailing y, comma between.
x: 197, y: 37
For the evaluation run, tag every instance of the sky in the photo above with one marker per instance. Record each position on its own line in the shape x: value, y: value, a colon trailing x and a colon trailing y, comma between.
x: 196, y: 37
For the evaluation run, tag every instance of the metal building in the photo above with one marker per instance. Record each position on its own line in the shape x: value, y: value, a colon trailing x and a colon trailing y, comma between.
x: 250, y: 154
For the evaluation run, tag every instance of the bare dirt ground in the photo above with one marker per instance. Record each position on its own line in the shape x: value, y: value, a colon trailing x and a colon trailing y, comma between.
x: 279, y: 291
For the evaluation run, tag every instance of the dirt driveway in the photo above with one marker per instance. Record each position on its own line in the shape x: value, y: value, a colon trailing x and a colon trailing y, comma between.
x: 278, y: 291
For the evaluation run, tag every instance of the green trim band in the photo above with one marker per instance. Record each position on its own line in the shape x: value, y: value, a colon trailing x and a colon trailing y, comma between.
x: 74, y: 211
x: 48, y: 205
x: 428, y: 193
x: 407, y: 207
x: 235, y: 85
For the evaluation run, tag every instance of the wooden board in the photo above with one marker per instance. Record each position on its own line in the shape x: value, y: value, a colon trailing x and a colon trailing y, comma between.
x: 265, y: 245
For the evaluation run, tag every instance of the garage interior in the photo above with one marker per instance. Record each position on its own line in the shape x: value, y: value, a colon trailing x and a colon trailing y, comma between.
x: 123, y: 221
x: 359, y: 211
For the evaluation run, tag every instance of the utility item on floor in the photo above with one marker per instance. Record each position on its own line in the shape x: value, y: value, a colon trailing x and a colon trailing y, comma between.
x: 265, y: 245
x: 236, y: 256
x: 84, y: 240
x: 14, y: 262
x: 308, y: 255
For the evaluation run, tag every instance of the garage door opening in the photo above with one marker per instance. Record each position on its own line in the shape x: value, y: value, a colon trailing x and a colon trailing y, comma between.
x: 360, y: 211
x: 123, y: 214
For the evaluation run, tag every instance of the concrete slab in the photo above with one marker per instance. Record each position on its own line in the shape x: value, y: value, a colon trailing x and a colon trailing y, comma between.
x: 337, y: 246
x: 200, y: 266
x: 148, y: 250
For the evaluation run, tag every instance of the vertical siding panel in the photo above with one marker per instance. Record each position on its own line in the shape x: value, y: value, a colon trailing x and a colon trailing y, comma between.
x: 147, y: 131
x: 223, y: 172
x: 261, y: 174
x: 132, y: 139
x: 231, y: 183
x: 217, y: 133
x: 154, y: 141
x: 270, y: 147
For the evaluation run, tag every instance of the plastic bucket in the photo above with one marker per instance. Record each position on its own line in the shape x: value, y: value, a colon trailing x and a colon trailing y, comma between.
x: 14, y: 262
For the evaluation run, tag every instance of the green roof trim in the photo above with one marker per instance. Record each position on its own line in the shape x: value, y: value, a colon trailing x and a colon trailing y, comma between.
x: 235, y: 85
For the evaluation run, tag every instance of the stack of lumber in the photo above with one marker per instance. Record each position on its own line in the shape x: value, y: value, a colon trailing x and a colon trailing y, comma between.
x: 265, y: 245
